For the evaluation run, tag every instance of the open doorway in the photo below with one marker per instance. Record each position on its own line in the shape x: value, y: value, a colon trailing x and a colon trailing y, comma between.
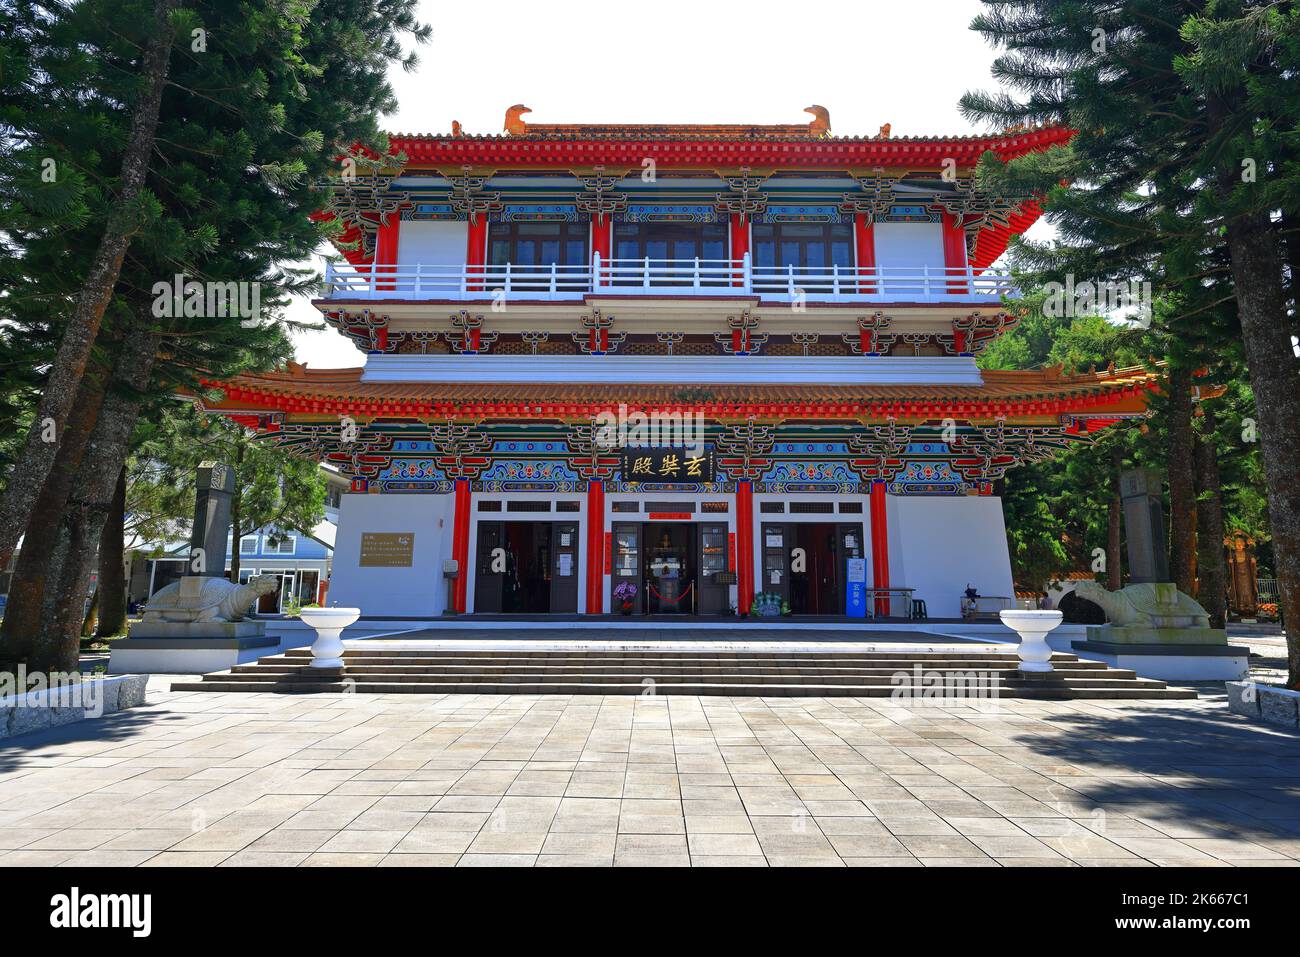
x: 526, y: 568
x: 806, y: 563
x: 673, y: 568
x: 669, y: 570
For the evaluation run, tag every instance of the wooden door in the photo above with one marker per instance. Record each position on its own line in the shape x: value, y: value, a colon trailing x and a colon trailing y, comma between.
x: 776, y: 544
x: 711, y: 561
x: 489, y: 571
x: 627, y: 565
x: 564, y: 569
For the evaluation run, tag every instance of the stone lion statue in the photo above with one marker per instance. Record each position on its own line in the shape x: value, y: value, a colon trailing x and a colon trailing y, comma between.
x: 1149, y: 605
x: 194, y: 599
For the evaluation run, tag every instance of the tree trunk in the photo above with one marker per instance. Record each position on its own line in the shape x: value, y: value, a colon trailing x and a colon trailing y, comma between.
x: 1261, y: 309
x: 38, y: 561
x: 1291, y: 247
x: 236, y: 510
x: 59, y: 396
x: 57, y: 647
x: 1209, y: 526
x: 92, y: 613
x: 1114, y: 566
x: 1182, y: 488
x: 112, y: 570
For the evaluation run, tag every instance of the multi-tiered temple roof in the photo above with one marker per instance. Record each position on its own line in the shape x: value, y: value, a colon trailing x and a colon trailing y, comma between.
x: 508, y: 288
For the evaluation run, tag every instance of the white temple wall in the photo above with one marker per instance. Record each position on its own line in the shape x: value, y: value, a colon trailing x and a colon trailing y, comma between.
x: 939, y: 544
x: 909, y: 246
x: 434, y: 243
x: 419, y: 591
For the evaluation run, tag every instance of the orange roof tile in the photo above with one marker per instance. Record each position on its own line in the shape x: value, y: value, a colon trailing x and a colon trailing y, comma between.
x: 1028, y: 393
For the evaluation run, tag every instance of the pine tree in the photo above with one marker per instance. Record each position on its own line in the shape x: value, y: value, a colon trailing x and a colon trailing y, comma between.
x: 1184, y: 112
x: 130, y: 211
x: 263, y: 97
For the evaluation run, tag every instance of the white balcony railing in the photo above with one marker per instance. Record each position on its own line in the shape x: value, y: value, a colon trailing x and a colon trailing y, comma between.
x: 665, y: 277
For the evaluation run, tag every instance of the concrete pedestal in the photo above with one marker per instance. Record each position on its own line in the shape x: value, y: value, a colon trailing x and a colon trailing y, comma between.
x: 176, y: 648
x: 1144, y: 635
x: 1168, y: 661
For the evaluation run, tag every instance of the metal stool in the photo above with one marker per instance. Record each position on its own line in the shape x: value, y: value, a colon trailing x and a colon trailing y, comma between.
x: 918, y: 608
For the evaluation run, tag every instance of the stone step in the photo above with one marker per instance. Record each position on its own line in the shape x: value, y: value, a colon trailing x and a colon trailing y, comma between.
x: 877, y: 674
x: 666, y: 661
x: 847, y: 674
x: 685, y: 655
x: 894, y: 679
x: 1064, y: 690
x: 956, y: 661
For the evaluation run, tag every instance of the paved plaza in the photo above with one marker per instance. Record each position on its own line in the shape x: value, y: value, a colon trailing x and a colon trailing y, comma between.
x: 240, y: 779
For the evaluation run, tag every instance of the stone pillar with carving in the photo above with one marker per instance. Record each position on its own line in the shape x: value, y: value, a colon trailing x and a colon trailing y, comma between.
x: 1144, y: 522
x: 214, y: 488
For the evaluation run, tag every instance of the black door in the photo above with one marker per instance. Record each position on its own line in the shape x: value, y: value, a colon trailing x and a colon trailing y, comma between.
x: 564, y: 578
x: 712, y: 562
x: 490, y: 567
x: 625, y: 584
x: 815, y: 575
x: 777, y: 543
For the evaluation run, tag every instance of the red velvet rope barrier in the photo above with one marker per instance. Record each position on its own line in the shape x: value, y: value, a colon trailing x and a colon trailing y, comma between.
x: 672, y: 601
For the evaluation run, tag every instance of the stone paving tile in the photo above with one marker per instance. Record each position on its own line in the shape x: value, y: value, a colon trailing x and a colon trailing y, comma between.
x: 362, y: 842
x: 330, y: 859
x: 497, y: 860
x: 187, y: 859
x: 575, y: 860
x: 420, y: 860
x: 484, y: 780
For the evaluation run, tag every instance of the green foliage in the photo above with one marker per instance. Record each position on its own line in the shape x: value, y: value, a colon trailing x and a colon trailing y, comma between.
x: 263, y: 97
x: 275, y: 489
x: 1131, y: 199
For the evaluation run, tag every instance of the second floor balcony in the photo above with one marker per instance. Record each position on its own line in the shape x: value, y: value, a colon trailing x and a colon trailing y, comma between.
x: 664, y: 278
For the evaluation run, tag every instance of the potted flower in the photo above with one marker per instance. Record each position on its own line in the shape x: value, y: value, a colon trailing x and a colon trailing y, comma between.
x: 766, y: 605
x: 625, y: 596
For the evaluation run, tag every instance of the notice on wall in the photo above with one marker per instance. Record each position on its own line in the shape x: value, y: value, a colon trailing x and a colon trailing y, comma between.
x: 566, y: 564
x: 387, y: 549
x: 855, y: 596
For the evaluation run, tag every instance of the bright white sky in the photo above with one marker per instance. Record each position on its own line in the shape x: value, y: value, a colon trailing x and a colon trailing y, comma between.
x: 685, y: 61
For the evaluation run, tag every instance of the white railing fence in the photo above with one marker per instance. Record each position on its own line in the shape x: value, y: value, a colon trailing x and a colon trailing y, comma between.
x: 649, y: 276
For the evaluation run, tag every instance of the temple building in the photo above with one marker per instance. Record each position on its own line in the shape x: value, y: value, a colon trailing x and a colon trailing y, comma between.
x: 657, y: 370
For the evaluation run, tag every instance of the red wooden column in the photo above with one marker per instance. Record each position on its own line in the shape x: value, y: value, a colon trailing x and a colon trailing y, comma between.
x: 386, y: 252
x: 460, y: 546
x: 864, y: 236
x: 954, y: 252
x: 602, y: 239
x: 739, y: 243
x: 744, y: 545
x: 476, y: 250
x: 879, y: 545
x: 595, y: 547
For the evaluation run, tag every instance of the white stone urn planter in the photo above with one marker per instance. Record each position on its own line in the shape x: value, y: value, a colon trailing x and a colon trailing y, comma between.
x: 327, y: 650
x: 1032, y: 626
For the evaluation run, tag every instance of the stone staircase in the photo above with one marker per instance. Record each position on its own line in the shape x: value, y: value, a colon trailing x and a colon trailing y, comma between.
x: 960, y: 672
